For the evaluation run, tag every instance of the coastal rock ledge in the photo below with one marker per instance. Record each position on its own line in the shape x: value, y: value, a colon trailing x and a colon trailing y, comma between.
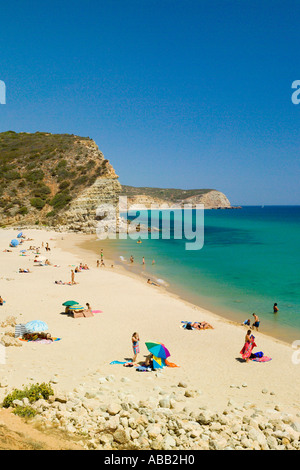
x: 160, y: 424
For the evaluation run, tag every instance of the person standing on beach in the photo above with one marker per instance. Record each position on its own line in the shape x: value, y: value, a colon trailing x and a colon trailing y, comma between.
x: 101, y: 254
x: 131, y: 259
x: 143, y: 260
x: 72, y: 277
x: 135, y: 345
x: 98, y: 263
x: 256, y: 321
x: 248, y: 346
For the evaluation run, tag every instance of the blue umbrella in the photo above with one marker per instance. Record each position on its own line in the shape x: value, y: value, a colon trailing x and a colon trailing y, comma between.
x: 20, y: 235
x: 14, y: 242
x: 36, y: 326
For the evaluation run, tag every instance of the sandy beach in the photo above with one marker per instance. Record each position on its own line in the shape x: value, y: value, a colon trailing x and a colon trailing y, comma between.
x: 209, y: 361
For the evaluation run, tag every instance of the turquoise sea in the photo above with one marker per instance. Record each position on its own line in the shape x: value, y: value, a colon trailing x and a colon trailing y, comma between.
x: 250, y: 259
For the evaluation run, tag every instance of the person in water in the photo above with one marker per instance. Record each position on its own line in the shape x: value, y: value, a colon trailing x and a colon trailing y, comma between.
x: 152, y: 283
x: 275, y: 308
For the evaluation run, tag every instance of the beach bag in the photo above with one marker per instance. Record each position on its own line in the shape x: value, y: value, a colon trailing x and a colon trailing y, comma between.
x: 259, y: 354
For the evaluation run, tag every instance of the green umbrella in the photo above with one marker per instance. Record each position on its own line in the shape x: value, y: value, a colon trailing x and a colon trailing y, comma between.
x: 68, y: 303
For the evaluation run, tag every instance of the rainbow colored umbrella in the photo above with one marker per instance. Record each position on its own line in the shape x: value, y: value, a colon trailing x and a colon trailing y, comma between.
x: 158, y: 350
x: 158, y: 362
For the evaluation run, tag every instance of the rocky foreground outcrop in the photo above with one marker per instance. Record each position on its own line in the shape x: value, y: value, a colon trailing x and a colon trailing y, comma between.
x: 109, y: 417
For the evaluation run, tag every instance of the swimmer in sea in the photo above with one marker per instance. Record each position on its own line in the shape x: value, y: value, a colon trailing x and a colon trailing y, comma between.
x: 275, y: 308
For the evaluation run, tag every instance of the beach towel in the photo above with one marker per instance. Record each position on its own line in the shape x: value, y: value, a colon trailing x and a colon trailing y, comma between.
x: 247, y: 349
x: 97, y: 311
x: 170, y: 364
x: 39, y: 340
x: 125, y: 363
x: 144, y: 369
x: 118, y: 362
x: 262, y: 359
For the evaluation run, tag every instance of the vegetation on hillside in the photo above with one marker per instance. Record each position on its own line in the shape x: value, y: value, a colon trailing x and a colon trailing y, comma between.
x: 41, y: 173
x: 169, y: 194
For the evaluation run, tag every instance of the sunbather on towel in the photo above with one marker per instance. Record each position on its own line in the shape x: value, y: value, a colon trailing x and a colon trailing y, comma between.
x: 202, y: 325
x: 36, y: 336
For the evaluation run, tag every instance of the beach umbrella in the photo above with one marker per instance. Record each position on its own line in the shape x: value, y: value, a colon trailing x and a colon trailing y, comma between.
x: 20, y: 235
x: 14, y: 242
x: 76, y: 307
x: 68, y: 303
x: 158, y: 362
x: 36, y: 326
x: 158, y: 350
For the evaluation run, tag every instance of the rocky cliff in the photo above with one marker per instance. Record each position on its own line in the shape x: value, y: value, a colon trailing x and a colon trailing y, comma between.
x: 64, y: 181
x: 210, y: 198
x: 53, y: 179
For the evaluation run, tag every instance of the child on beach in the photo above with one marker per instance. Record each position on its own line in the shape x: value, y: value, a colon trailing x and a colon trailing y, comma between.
x: 135, y: 345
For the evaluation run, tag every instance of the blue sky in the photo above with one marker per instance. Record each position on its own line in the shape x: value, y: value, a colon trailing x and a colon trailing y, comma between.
x: 176, y: 93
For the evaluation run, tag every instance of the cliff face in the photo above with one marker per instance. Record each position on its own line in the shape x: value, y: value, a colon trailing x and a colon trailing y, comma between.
x: 53, y: 179
x: 211, y: 199
x: 84, y: 212
x: 63, y: 180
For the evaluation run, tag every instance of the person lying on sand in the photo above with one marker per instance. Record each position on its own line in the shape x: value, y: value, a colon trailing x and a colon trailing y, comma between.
x: 24, y: 270
x: 152, y: 283
x: 202, y: 325
x: 7, y: 251
x: 197, y: 325
x: 64, y: 283
x: 35, y: 336
x: 1, y: 300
